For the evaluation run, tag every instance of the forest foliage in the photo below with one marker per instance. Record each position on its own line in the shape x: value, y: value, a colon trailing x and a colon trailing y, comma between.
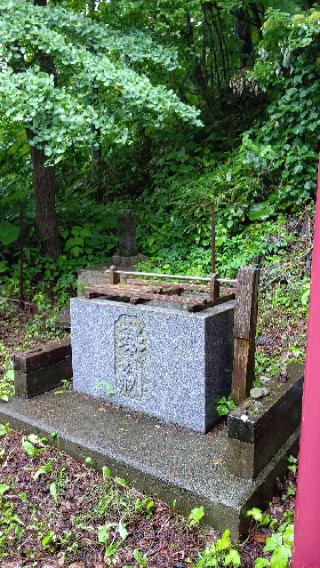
x: 164, y: 108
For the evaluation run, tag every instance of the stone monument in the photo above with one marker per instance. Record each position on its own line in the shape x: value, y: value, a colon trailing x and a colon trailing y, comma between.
x: 160, y: 360
x: 126, y: 257
x: 127, y: 233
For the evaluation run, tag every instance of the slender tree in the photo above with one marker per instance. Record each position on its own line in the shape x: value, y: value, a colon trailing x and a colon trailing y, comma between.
x: 52, y: 59
x: 44, y: 177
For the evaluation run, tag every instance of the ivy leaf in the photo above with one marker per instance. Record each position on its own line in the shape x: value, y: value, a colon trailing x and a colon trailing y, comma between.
x: 260, y: 211
x: 261, y: 563
x: 273, y: 542
x: 224, y: 542
x: 256, y: 514
x: 232, y: 558
x: 280, y: 557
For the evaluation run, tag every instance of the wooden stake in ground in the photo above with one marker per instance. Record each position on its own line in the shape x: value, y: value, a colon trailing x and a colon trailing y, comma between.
x: 113, y: 276
x: 214, y: 287
x: 245, y: 324
x: 213, y: 240
x: 307, y: 519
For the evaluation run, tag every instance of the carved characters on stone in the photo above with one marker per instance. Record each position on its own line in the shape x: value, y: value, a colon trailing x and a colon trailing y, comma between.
x: 130, y: 357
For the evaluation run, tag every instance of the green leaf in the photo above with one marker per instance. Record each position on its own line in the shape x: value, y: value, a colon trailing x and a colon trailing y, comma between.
x: 47, y: 468
x: 3, y: 266
x: 224, y: 542
x: 103, y: 535
x: 89, y: 461
x: 9, y: 233
x: 196, y: 515
x: 232, y: 558
x: 9, y: 375
x: 48, y: 539
x: 261, y: 563
x: 260, y: 211
x: 4, y: 430
x: 273, y: 542
x: 54, y: 491
x: 106, y: 474
x: 30, y: 449
x: 280, y: 557
x: 140, y: 558
x: 122, y: 530
x: 256, y: 514
x: 121, y: 481
x: 3, y: 488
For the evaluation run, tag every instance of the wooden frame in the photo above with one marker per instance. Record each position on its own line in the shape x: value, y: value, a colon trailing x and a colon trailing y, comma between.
x: 245, y: 317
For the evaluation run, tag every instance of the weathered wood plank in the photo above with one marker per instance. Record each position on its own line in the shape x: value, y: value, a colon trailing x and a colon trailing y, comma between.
x: 245, y: 323
x: 252, y: 443
x: 163, y: 287
x: 185, y: 287
x: 42, y: 356
x: 214, y: 287
x: 43, y: 368
x: 138, y: 295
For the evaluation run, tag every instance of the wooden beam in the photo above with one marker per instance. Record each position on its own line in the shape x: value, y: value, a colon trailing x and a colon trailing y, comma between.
x: 137, y: 295
x: 245, y: 325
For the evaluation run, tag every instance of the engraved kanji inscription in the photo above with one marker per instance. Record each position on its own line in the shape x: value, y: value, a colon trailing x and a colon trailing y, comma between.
x: 130, y: 357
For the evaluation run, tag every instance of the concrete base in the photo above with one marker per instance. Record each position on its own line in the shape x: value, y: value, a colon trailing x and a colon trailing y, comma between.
x: 163, y: 461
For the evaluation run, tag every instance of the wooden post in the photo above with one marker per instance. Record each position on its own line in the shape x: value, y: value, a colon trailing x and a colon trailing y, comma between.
x: 114, y: 277
x: 245, y: 324
x: 214, y: 288
x: 213, y: 239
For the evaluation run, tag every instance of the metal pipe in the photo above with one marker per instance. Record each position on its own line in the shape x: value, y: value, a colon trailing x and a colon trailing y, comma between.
x: 227, y: 281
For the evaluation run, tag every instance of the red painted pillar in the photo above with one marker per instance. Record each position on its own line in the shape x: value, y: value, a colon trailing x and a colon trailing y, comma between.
x: 307, y: 521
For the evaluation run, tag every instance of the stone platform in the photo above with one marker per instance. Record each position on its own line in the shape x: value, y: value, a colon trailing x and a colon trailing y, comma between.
x: 164, y: 461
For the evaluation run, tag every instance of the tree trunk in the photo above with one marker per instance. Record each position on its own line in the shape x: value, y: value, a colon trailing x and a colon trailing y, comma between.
x: 46, y: 216
x: 44, y: 178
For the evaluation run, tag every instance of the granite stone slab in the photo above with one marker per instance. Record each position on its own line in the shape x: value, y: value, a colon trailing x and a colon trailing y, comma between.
x: 162, y: 361
x: 164, y: 461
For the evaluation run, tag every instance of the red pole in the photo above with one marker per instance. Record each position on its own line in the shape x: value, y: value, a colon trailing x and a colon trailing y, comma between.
x: 307, y: 520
